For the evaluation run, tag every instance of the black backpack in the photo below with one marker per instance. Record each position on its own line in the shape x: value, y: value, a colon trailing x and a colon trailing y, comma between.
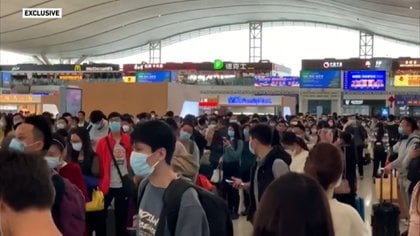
x: 216, y: 209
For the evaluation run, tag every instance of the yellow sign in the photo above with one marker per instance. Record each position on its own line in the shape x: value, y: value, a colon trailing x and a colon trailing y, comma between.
x: 129, y: 79
x: 407, y: 81
x: 19, y: 98
x: 77, y: 68
x: 71, y: 77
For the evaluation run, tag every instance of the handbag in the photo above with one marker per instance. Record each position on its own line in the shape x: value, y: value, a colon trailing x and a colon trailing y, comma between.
x: 97, y: 203
x: 344, y: 187
x: 127, y: 181
x: 217, y: 175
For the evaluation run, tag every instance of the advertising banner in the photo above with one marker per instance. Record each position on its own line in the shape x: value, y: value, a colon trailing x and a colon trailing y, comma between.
x: 320, y: 79
x: 273, y: 81
x: 153, y: 76
x: 364, y: 80
x: 407, y: 80
x: 6, y: 79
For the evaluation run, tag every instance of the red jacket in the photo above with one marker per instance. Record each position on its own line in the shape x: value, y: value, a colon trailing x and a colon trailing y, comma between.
x: 105, y: 158
x: 73, y: 173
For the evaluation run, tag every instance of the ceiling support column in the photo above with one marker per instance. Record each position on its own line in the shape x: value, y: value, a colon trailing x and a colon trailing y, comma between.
x: 80, y: 60
x: 255, y: 41
x: 366, y: 44
x: 38, y: 59
x: 45, y: 58
x: 155, y: 52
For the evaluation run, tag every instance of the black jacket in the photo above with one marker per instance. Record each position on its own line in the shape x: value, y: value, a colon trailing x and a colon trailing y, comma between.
x: 265, y: 175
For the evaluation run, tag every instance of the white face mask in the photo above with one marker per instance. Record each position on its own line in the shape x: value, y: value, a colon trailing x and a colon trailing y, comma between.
x: 77, y: 146
x: 126, y: 128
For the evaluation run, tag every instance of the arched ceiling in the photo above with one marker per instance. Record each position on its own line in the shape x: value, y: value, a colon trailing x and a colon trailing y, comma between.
x: 99, y: 27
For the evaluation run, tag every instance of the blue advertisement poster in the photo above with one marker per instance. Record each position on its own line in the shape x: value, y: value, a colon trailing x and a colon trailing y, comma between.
x: 320, y: 79
x: 6, y: 79
x: 364, y: 80
x: 153, y: 76
x: 273, y: 81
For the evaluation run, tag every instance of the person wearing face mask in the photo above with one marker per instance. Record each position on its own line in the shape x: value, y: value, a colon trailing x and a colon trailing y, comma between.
x: 127, y: 124
x: 246, y: 163
x: 17, y: 120
x: 271, y: 163
x: 114, y: 152
x: 185, y: 137
x: 408, y: 127
x: 98, y: 127
x: 325, y: 164
x: 62, y: 123
x: 22, y: 213
x: 80, y: 152
x: 68, y: 170
x: 232, y: 151
x: 34, y: 136
x: 297, y: 149
x: 153, y: 149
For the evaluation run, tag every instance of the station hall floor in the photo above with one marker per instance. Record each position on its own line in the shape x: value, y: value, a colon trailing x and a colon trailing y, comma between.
x: 366, y: 190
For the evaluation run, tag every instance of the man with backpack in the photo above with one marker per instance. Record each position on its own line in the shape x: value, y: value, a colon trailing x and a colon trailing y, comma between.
x: 34, y: 136
x: 408, y: 127
x: 169, y: 205
x: 272, y: 162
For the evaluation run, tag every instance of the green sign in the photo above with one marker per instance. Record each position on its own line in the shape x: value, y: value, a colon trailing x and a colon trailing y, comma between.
x: 218, y: 64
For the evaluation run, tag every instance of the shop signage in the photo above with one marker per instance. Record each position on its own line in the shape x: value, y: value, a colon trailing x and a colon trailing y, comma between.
x: 97, y: 68
x: 218, y: 64
x: 353, y: 102
x: 239, y: 100
x: 77, y: 68
x: 364, y: 80
x: 410, y: 63
x: 274, y: 81
x: 129, y: 79
x: 407, y: 80
x: 147, y: 66
x: 70, y: 77
x: 62, y: 67
x: 208, y: 102
x: 320, y: 79
x: 410, y: 100
x: 153, y: 76
x: 332, y: 64
x: 20, y: 98
x: 6, y: 79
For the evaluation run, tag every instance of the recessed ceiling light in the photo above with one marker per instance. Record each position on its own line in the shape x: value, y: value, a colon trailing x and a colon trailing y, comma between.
x: 411, y: 8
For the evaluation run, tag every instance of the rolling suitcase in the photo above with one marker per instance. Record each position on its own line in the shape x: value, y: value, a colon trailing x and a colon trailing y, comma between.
x: 385, y: 218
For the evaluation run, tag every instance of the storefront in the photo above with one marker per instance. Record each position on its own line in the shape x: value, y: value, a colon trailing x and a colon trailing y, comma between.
x: 320, y: 91
x: 208, y: 105
x: 26, y: 103
x: 407, y: 105
x: 244, y: 104
x: 364, y: 92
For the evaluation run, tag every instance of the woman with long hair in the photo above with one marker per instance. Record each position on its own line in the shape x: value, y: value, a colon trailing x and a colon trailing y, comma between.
x: 297, y: 149
x: 326, y: 163
x: 293, y: 204
x: 232, y: 152
x: 79, y: 150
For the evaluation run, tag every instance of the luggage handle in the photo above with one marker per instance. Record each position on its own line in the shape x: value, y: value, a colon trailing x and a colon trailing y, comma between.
x: 391, y: 183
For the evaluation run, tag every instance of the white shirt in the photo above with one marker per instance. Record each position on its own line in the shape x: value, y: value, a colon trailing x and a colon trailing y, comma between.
x: 346, y: 220
x: 298, y: 161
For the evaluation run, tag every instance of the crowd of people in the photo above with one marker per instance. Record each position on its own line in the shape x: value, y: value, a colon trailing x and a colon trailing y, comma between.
x: 171, y: 175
